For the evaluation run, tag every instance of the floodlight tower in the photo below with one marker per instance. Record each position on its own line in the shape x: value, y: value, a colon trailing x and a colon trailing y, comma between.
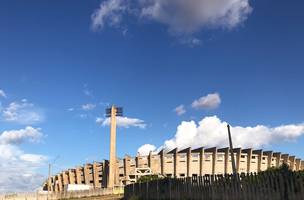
x: 113, y: 112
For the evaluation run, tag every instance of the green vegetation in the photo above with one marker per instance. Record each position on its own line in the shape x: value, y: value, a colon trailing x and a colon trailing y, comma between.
x: 284, y: 168
x: 148, y: 178
x: 134, y: 198
x: 284, y: 171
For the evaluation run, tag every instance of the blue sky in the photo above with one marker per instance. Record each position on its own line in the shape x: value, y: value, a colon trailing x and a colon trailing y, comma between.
x: 52, y: 59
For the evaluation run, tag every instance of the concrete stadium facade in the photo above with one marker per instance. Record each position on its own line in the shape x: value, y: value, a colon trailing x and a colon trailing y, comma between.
x: 175, y: 163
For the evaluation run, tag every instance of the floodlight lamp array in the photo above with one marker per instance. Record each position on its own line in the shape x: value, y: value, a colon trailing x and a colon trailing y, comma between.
x: 119, y: 111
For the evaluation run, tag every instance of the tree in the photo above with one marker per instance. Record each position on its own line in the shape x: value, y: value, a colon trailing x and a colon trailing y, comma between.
x: 147, y: 178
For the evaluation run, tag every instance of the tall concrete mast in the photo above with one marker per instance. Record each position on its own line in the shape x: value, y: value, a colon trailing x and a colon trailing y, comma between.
x: 113, y: 112
x: 112, y: 148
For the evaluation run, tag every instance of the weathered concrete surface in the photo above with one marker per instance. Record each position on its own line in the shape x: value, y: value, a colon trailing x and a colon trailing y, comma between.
x: 107, y: 197
x: 32, y: 197
x: 97, y: 194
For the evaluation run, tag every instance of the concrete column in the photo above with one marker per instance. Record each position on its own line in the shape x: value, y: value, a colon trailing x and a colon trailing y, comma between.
x: 136, y: 162
x: 238, y: 158
x: 150, y: 160
x: 97, y: 172
x: 285, y: 158
x: 57, y: 183
x: 302, y: 165
x: 298, y: 164
x: 202, y: 152
x: 87, y: 177
x: 214, y: 158
x: 49, y: 184
x: 52, y: 186
x: 248, y: 161
x: 175, y: 162
x: 249, y: 157
x: 105, y: 173
x: 95, y: 175
x: 260, y: 156
x: 226, y: 160
x: 162, y: 162
x: 189, y: 172
x: 72, y: 176
x: 60, y: 182
x: 54, y: 183
x: 277, y: 155
x: 127, y: 167
x: 269, y: 158
x: 65, y: 178
x: 112, y: 169
x: 116, y: 180
x: 79, y: 175
x: 292, y: 160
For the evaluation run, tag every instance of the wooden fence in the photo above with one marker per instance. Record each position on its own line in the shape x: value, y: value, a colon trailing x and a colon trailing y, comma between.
x: 262, y: 186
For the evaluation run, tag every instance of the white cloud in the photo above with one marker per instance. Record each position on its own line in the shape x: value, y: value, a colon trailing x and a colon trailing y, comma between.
x: 22, y: 112
x: 182, y: 17
x: 32, y: 158
x: 211, y: 131
x: 83, y: 116
x: 105, y: 104
x: 180, y: 110
x: 19, y: 182
x: 18, y: 169
x: 146, y: 149
x: 71, y: 109
x: 88, y: 106
x: 2, y: 93
x: 190, y: 41
x: 193, y: 15
x: 110, y: 12
x: 87, y: 93
x: 20, y: 136
x: 211, y: 101
x: 124, y: 122
x: 99, y: 120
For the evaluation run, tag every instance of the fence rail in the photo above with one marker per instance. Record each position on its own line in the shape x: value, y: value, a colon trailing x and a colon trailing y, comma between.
x: 262, y: 186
